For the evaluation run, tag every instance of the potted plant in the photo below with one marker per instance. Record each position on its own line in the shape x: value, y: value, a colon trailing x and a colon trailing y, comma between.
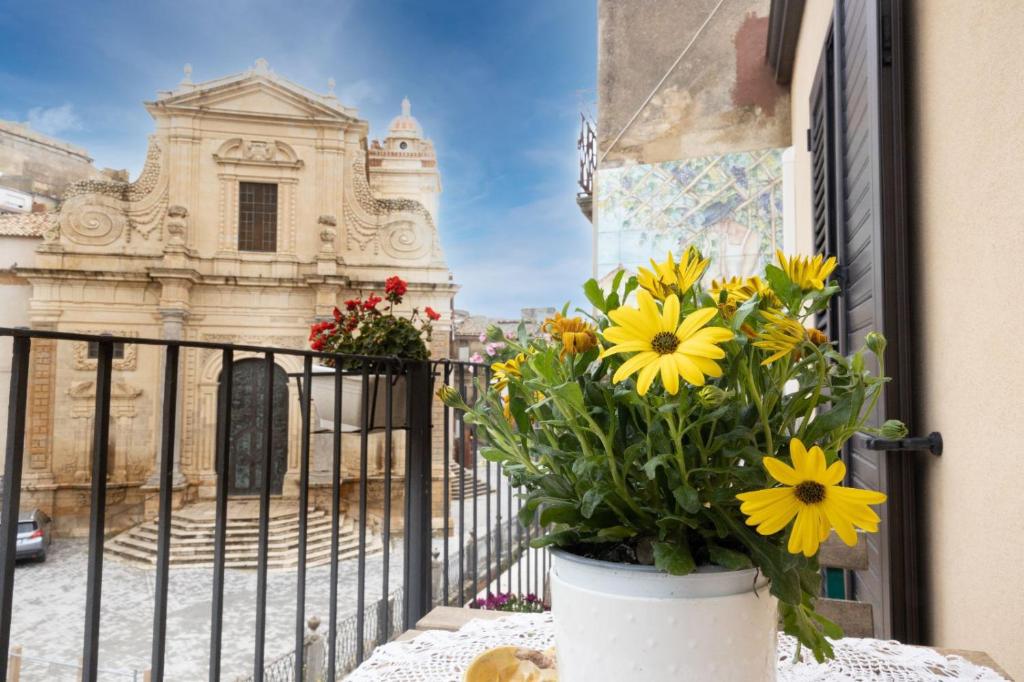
x: 363, y: 329
x: 682, y: 450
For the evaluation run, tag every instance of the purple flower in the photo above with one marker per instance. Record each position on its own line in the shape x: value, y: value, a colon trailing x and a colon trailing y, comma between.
x: 476, y: 357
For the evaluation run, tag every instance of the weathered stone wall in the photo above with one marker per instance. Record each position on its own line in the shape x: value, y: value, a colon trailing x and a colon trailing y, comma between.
x: 720, y: 98
x: 40, y: 165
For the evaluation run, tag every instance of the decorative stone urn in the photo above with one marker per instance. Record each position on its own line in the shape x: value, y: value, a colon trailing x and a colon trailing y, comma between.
x: 618, y: 622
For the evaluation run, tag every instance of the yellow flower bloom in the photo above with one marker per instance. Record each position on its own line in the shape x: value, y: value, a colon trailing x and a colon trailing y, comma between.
x: 670, y: 276
x: 502, y: 371
x: 739, y: 290
x: 816, y: 336
x: 782, y: 334
x: 575, y: 335
x: 812, y: 494
x: 806, y: 272
x: 664, y: 343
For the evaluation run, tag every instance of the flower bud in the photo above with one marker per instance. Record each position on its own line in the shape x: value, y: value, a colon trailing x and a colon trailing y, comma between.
x: 711, y: 396
x: 451, y: 397
x: 893, y: 429
x: 876, y: 343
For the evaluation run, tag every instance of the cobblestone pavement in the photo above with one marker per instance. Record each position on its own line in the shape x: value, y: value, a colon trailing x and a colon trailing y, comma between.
x: 49, y: 613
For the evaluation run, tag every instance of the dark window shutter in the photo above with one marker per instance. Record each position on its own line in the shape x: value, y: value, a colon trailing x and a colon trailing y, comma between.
x: 870, y: 240
x: 821, y: 143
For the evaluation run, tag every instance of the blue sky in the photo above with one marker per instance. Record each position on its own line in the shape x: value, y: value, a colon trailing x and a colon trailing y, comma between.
x: 496, y: 84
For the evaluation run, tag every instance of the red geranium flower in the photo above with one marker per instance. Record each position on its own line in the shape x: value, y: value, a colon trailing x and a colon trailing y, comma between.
x: 395, y: 286
x: 432, y: 314
x: 337, y: 314
x: 352, y: 303
x: 371, y: 302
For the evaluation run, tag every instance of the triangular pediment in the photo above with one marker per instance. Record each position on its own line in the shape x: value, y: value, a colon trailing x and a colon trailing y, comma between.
x: 251, y: 94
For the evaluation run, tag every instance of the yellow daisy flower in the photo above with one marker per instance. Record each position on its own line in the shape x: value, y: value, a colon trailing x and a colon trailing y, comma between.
x: 664, y: 343
x: 739, y: 290
x: 806, y: 272
x: 669, y: 276
x: 502, y: 371
x: 782, y: 334
x: 812, y: 494
x: 575, y: 335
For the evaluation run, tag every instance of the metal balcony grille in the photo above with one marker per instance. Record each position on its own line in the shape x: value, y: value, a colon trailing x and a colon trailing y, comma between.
x: 490, y: 538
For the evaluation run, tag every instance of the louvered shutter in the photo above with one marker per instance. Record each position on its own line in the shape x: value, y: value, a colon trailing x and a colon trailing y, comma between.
x: 871, y: 243
x: 820, y: 143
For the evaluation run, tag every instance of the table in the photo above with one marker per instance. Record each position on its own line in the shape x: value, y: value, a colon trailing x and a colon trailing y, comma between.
x: 448, y: 638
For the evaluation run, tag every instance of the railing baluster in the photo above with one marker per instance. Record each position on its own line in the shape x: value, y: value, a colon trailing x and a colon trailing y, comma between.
x: 476, y: 505
x: 447, y: 459
x: 511, y: 521
x: 332, y: 645
x: 300, y: 578
x: 223, y: 446
x: 460, y: 424
x: 264, y: 520
x: 497, y: 525
x: 363, y: 472
x: 167, y: 443
x: 13, y: 455
x: 519, y: 546
x: 97, y: 511
x: 384, y: 624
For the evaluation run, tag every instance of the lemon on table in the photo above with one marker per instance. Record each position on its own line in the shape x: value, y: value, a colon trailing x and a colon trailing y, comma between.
x: 511, y: 664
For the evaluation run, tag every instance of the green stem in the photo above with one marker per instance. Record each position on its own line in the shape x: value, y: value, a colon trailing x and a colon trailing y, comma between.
x: 755, y: 395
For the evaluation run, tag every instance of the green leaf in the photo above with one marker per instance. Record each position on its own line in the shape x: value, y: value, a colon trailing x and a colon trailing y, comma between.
x: 728, y: 558
x: 613, y: 533
x: 631, y: 286
x: 674, y: 557
x: 650, y: 467
x: 593, y: 292
x: 556, y: 486
x: 591, y: 500
x: 493, y: 454
x: 687, y: 498
x: 560, y: 538
x: 829, y: 421
x: 562, y: 512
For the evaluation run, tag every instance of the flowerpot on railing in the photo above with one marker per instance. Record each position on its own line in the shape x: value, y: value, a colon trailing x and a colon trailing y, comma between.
x: 629, y: 622
x: 353, y: 401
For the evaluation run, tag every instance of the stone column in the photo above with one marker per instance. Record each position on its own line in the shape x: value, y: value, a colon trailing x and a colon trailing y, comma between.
x: 172, y: 329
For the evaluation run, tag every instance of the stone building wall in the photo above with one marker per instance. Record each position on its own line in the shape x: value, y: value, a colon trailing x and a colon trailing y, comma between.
x: 159, y: 257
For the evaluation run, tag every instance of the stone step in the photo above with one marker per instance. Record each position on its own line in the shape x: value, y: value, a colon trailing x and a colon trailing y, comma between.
x: 192, y: 539
x: 148, y: 560
x: 312, y: 545
x: 272, y: 545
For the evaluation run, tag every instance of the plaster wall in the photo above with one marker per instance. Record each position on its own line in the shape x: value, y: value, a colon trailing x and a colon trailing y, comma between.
x: 720, y: 98
x: 14, y: 298
x: 966, y: 143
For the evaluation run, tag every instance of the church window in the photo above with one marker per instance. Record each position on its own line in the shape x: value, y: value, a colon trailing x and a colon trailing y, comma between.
x: 257, y: 216
x: 93, y: 351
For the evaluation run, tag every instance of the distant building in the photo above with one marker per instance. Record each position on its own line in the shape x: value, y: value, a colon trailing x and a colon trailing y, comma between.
x: 261, y: 206
x: 40, y: 168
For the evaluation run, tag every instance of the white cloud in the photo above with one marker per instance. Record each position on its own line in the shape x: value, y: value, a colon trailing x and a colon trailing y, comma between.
x: 54, y: 120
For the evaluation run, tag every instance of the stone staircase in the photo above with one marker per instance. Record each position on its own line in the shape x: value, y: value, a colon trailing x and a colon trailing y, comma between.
x: 454, y: 491
x: 192, y: 533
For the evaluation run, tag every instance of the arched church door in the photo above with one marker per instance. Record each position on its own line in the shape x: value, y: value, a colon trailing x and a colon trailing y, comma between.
x: 248, y: 430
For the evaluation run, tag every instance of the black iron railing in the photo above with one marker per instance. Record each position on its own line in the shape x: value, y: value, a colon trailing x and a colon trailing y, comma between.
x: 586, y: 146
x: 492, y: 542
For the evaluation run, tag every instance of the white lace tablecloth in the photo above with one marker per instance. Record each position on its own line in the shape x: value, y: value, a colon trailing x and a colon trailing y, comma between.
x: 437, y: 656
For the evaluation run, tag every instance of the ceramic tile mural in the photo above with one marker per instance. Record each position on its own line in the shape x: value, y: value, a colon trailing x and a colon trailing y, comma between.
x: 729, y: 206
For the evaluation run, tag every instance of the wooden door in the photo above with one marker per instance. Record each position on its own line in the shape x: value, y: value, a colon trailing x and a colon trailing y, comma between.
x: 856, y: 140
x: 248, y: 430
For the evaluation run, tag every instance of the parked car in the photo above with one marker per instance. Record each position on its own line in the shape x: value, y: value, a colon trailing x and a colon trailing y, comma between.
x: 34, y: 535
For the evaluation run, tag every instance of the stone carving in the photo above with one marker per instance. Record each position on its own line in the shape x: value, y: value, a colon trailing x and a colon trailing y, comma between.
x: 258, y: 153
x: 80, y: 354
x: 119, y: 390
x: 327, y: 220
x: 125, y: 191
x: 404, y: 239
x: 177, y: 225
x: 95, y: 220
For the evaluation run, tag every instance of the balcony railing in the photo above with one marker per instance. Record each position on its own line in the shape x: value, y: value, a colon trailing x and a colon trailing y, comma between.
x: 586, y: 146
x: 477, y: 544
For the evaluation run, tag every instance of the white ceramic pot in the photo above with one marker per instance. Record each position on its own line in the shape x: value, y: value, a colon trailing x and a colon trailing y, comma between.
x: 616, y: 622
x: 323, y: 395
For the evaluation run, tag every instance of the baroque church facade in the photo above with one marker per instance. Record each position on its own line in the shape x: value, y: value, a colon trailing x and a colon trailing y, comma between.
x: 261, y: 206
